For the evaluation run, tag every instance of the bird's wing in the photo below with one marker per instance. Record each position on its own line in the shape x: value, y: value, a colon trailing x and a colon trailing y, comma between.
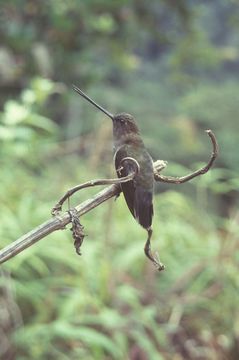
x: 128, y: 188
x: 137, y: 196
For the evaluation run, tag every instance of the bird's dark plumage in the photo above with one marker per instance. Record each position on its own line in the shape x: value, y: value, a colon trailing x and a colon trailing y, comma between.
x: 143, y: 207
x: 138, y: 192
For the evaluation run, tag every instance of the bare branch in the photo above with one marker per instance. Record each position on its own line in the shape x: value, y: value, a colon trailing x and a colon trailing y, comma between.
x: 91, y: 183
x: 56, y: 223
x: 60, y: 221
x: 203, y: 170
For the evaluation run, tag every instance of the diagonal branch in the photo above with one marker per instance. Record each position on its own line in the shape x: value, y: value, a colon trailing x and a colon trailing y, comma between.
x: 61, y: 220
x: 91, y: 183
x: 56, y: 223
x: 203, y: 170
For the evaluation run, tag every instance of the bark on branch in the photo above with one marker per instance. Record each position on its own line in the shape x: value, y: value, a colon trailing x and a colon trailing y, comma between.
x: 56, y: 223
x: 61, y: 220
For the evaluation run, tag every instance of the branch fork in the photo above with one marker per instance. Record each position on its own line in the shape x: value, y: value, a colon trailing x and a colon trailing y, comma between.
x: 60, y: 220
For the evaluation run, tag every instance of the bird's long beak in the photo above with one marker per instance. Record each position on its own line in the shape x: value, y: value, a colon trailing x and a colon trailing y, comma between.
x: 79, y: 91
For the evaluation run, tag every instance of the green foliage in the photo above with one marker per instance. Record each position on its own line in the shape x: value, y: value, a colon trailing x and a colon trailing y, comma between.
x: 110, y: 300
x: 174, y: 66
x: 208, y: 106
x: 110, y: 303
x: 22, y: 126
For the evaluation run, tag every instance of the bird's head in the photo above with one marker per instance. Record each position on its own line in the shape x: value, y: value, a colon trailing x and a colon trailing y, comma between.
x: 123, y: 123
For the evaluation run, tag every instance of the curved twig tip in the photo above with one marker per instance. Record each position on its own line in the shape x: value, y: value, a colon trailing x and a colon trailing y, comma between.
x: 214, y: 143
x: 203, y: 170
x: 134, y: 161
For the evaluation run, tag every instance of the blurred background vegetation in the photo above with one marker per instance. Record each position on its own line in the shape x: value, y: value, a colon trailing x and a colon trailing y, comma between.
x: 174, y: 65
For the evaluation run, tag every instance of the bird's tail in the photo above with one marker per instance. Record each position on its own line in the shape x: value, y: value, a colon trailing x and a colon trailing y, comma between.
x: 143, y: 209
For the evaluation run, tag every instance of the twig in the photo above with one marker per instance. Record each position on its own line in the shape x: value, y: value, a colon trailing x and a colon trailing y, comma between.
x: 60, y: 221
x: 91, y: 183
x: 203, y: 170
x: 56, y: 223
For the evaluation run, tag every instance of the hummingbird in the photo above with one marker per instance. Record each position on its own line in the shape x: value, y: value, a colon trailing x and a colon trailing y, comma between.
x: 138, y: 193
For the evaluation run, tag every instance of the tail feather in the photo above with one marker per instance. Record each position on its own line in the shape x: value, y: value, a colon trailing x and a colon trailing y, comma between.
x: 143, y: 207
